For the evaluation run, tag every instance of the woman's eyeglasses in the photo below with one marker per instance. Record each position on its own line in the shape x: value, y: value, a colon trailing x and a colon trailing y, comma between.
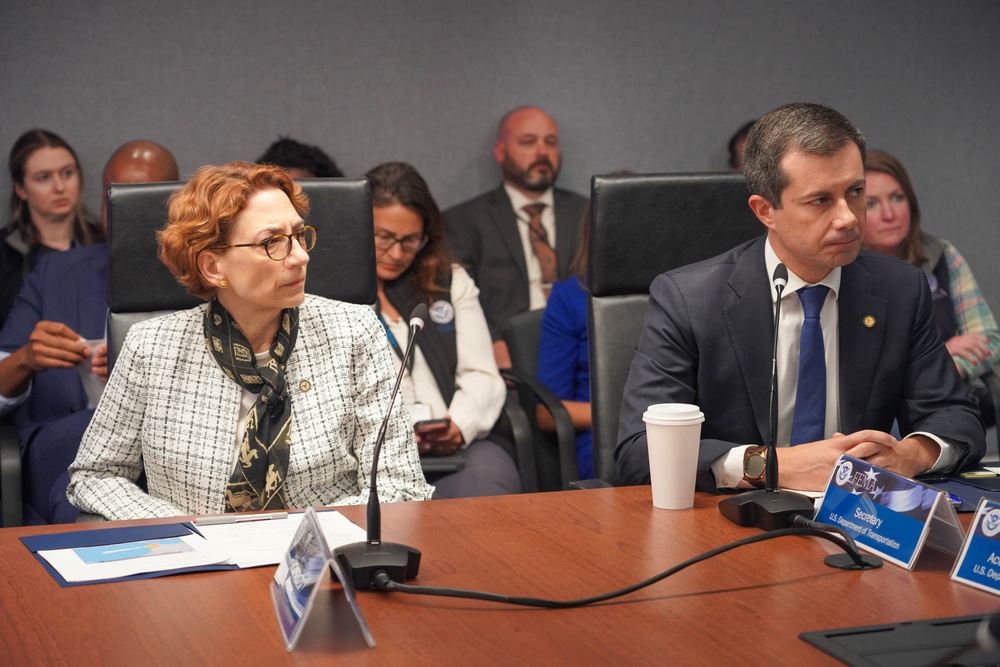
x: 410, y: 244
x: 279, y: 246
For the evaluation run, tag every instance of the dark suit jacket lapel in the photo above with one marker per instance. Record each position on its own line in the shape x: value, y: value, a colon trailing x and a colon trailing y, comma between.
x: 750, y: 321
x: 501, y: 213
x: 567, y: 230
x: 860, y: 346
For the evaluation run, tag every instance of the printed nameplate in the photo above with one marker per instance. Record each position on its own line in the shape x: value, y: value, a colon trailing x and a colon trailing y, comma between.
x: 299, y: 579
x: 887, y: 514
x: 979, y: 562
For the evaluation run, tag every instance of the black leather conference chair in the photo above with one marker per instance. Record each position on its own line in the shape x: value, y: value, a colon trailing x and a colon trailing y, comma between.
x: 10, y: 475
x: 643, y: 225
x: 341, y: 266
x: 552, y: 456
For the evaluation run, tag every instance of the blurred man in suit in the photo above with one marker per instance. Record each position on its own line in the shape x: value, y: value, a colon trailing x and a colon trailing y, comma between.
x: 63, y: 302
x: 519, y: 238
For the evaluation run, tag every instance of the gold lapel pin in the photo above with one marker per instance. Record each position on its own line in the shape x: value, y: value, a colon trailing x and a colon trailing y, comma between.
x: 868, y: 321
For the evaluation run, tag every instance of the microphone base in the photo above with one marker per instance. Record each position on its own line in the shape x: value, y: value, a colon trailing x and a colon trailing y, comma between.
x: 767, y: 510
x: 845, y: 562
x: 361, y: 560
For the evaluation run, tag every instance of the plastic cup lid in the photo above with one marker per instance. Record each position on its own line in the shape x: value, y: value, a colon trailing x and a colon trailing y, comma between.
x: 673, y: 414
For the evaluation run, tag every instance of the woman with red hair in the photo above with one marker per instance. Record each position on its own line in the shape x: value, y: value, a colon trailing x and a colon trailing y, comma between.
x: 263, y: 398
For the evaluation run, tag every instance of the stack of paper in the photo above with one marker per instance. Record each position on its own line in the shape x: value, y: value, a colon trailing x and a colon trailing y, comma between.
x: 257, y: 543
x: 87, y: 556
x: 113, y: 561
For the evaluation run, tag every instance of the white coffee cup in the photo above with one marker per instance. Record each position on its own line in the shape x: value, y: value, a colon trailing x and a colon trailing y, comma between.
x: 673, y: 434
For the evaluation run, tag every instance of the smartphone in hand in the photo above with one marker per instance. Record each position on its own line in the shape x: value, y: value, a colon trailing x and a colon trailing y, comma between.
x: 432, y: 426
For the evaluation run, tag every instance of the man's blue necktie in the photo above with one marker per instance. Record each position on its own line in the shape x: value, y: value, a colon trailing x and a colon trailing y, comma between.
x: 809, y: 419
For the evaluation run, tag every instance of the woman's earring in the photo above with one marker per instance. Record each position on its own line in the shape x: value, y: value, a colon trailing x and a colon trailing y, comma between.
x: 224, y: 283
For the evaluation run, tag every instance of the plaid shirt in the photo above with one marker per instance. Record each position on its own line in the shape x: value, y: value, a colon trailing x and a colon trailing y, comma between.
x: 972, y: 314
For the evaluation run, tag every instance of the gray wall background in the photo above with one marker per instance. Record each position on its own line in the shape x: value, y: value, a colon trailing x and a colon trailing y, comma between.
x: 651, y: 86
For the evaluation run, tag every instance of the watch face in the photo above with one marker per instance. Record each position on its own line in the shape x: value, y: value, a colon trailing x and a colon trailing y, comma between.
x: 753, y: 467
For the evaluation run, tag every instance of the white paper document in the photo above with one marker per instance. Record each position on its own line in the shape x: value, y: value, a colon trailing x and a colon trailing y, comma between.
x: 244, y: 543
x: 258, y: 543
x: 112, y: 561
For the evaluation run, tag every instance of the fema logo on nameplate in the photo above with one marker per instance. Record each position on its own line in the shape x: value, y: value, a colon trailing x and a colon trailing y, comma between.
x: 978, y: 563
x: 443, y: 315
x: 888, y: 514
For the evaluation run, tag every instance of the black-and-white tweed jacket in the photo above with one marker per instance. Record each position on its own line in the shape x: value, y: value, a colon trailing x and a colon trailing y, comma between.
x: 169, y: 409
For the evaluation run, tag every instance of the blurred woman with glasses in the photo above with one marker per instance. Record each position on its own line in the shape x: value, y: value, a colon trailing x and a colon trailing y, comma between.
x: 46, y: 209
x: 265, y: 397
x: 453, y: 381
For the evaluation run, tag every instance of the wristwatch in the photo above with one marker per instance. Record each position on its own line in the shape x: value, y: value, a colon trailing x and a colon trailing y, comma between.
x: 754, y: 466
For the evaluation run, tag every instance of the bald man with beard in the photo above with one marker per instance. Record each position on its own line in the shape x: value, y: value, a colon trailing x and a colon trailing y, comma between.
x: 492, y: 235
x: 63, y: 302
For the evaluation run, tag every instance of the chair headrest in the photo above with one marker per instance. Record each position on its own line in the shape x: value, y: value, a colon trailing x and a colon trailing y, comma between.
x: 341, y: 266
x: 643, y: 225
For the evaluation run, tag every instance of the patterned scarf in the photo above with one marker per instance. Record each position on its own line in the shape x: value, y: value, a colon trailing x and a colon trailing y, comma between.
x: 258, y: 480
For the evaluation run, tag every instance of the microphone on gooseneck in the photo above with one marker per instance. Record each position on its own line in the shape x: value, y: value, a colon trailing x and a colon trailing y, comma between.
x: 780, y: 281
x: 362, y: 560
x: 772, y: 509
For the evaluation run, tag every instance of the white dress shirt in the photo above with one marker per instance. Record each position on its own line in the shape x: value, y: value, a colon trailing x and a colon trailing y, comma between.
x: 519, y: 201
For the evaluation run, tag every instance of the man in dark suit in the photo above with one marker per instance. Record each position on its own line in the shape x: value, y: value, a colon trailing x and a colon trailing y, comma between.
x: 514, y: 254
x: 708, y: 334
x: 62, y: 303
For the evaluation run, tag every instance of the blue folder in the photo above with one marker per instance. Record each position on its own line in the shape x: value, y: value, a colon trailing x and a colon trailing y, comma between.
x: 101, y: 537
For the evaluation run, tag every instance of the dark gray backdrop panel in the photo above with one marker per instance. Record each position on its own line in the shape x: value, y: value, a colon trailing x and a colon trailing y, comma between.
x: 641, y: 84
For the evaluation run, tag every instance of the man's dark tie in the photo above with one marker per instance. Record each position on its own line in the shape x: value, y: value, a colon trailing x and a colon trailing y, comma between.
x: 809, y: 419
x: 540, y: 246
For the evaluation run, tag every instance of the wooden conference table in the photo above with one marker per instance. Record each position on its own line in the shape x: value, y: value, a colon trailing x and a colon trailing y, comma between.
x: 744, y: 607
